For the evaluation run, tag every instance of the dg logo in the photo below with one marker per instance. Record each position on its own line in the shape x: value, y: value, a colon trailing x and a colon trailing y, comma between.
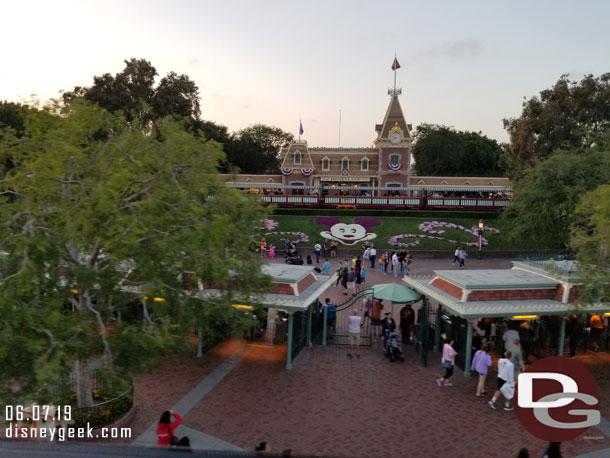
x: 557, y: 399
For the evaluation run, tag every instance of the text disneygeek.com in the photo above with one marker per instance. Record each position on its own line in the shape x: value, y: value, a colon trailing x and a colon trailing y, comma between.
x: 63, y: 434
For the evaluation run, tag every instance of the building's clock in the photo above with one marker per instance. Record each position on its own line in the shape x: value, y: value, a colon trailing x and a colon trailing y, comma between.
x: 395, y: 137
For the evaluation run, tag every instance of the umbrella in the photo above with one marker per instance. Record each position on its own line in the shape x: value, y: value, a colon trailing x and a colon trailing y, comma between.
x: 398, y: 294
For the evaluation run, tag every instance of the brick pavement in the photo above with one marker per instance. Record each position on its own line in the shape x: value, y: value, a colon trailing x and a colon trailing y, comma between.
x: 331, y: 404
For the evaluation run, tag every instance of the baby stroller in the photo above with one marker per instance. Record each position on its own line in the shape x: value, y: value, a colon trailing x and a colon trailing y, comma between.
x: 290, y: 249
x: 392, y: 347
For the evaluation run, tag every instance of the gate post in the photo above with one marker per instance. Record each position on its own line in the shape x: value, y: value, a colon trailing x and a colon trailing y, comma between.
x: 310, y: 312
x: 424, y: 332
x: 199, y: 342
x: 324, y: 327
x: 289, y: 343
x: 437, y: 328
x: 562, y: 336
x: 468, y: 358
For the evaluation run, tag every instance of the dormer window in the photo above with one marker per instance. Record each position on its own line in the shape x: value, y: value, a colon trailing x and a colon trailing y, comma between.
x: 325, y: 163
x: 345, y: 163
x: 395, y: 159
x: 364, y: 164
x: 297, y: 158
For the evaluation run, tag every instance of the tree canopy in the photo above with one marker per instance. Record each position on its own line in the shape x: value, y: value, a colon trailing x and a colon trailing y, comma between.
x: 591, y: 241
x: 134, y: 94
x: 97, y: 219
x: 566, y: 115
x: 549, y: 192
x: 443, y: 151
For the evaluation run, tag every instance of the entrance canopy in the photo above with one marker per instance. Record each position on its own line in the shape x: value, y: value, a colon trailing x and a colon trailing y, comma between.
x: 398, y: 294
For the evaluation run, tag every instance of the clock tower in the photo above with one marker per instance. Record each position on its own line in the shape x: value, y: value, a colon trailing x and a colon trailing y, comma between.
x: 394, y: 145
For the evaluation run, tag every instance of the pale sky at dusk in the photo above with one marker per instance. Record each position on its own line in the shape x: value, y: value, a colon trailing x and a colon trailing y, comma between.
x: 467, y: 64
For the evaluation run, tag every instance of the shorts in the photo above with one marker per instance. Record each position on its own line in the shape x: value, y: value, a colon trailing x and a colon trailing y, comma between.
x: 376, y: 321
x: 501, y: 382
x: 354, y: 338
x: 331, y: 322
x: 351, y: 284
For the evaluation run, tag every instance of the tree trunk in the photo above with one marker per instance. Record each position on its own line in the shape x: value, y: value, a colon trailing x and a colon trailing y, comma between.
x: 84, y: 397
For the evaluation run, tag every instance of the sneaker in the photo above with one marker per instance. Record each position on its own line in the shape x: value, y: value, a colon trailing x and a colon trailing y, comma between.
x: 508, y: 408
x: 492, y: 405
x: 439, y: 383
x: 349, y: 354
x: 448, y: 384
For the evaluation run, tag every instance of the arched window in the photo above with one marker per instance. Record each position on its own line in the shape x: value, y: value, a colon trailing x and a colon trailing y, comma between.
x: 364, y: 165
x: 395, y: 159
x: 325, y: 163
x: 345, y: 163
x: 297, y: 158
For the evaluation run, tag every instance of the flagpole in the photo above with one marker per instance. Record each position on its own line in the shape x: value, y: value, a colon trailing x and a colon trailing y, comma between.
x: 300, y: 124
x: 394, y: 74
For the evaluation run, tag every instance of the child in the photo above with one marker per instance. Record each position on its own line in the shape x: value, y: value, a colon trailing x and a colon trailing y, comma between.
x: 363, y: 274
x: 271, y: 252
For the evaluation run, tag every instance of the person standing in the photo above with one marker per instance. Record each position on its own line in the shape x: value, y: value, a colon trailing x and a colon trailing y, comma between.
x: 526, y: 338
x: 448, y: 361
x: 339, y: 273
x: 331, y: 317
x: 409, y: 262
x: 506, y: 374
x: 407, y: 319
x: 597, y: 329
x: 376, y: 316
x: 344, y: 279
x: 355, y: 323
x: 395, y: 263
x: 271, y: 252
x: 517, y: 358
x: 365, y: 256
x: 372, y: 255
x: 574, y: 331
x: 481, y: 363
x: 333, y: 249
x: 351, y: 281
x: 317, y: 248
x: 383, y: 263
x: 509, y: 337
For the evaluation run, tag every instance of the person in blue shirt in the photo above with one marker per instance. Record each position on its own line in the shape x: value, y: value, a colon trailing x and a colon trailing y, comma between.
x: 326, y: 267
x: 331, y: 318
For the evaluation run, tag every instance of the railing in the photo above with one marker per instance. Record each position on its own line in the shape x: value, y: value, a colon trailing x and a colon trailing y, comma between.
x: 106, y: 412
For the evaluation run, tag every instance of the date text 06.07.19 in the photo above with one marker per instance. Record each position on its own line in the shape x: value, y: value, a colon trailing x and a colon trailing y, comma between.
x: 35, y: 412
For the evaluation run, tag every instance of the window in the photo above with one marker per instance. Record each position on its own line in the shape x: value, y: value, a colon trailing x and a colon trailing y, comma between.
x: 297, y: 158
x: 325, y: 163
x: 395, y: 159
x: 345, y: 163
x: 364, y: 165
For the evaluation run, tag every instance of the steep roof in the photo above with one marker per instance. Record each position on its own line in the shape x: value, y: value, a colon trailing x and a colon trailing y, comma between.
x: 393, y: 117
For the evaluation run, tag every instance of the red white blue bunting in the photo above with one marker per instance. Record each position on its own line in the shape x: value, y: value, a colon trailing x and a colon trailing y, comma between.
x: 287, y: 172
x: 306, y: 172
x: 394, y: 167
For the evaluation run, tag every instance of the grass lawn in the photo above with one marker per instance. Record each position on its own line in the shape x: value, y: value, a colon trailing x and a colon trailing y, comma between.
x: 392, y: 226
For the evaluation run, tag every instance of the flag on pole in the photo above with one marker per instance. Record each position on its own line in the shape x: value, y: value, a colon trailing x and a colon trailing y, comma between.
x: 301, y: 128
x: 395, y: 64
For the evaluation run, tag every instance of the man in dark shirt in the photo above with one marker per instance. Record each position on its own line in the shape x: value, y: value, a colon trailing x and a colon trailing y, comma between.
x: 331, y: 318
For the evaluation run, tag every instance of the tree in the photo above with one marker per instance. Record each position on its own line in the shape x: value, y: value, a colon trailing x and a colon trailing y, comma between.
x: 565, y: 116
x: 591, y: 241
x: 441, y: 150
x: 255, y: 149
x: 132, y: 92
x: 101, y: 225
x: 550, y: 191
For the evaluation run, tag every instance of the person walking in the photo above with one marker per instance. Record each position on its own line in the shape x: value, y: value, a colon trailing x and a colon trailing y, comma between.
x: 481, y: 363
x: 372, y: 255
x: 365, y: 256
x: 597, y: 329
x: 351, y: 281
x: 517, y: 358
x: 506, y: 374
x: 317, y: 248
x: 344, y: 279
x: 456, y: 256
x: 462, y: 257
x: 574, y: 331
x: 339, y: 273
x: 395, y: 263
x: 354, y: 325
x: 363, y: 275
x: 448, y: 361
x: 166, y: 429
x: 526, y: 337
x: 376, y: 316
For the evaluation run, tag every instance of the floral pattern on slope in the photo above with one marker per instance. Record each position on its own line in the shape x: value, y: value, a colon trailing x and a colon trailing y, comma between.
x: 270, y: 224
x: 436, y: 227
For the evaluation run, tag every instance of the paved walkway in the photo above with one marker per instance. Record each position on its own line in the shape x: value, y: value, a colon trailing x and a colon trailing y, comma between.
x: 239, y: 395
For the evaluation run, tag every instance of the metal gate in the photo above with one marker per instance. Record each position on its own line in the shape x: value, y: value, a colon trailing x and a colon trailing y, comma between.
x: 340, y: 336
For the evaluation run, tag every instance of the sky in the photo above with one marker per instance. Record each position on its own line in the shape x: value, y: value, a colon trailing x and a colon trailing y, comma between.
x: 465, y: 64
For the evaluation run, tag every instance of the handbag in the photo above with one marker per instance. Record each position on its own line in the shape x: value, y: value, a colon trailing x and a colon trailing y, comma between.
x: 447, y: 364
x: 173, y: 440
x: 508, y: 390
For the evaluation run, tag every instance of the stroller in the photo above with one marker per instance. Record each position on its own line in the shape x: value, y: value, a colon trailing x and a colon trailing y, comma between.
x: 290, y: 249
x: 391, y: 346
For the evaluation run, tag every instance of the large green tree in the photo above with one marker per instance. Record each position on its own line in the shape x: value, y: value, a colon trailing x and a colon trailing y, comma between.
x: 567, y: 115
x: 443, y: 151
x: 133, y: 92
x: 255, y: 149
x: 103, y: 217
x: 550, y: 191
x: 591, y: 241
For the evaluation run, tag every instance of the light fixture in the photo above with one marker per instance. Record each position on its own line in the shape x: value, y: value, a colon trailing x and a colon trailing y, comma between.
x: 525, y: 317
x: 158, y: 299
x: 74, y: 291
x: 241, y: 306
x: 607, y: 314
x: 481, y: 224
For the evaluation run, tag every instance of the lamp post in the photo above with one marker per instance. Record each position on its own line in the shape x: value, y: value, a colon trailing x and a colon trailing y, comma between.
x: 480, y: 234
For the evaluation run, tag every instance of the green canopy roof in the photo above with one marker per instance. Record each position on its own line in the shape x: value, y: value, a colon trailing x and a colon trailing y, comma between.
x: 397, y: 293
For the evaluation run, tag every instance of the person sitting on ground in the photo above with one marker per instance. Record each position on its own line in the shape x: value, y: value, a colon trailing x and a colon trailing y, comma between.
x: 166, y: 429
x: 262, y: 449
x: 326, y: 267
